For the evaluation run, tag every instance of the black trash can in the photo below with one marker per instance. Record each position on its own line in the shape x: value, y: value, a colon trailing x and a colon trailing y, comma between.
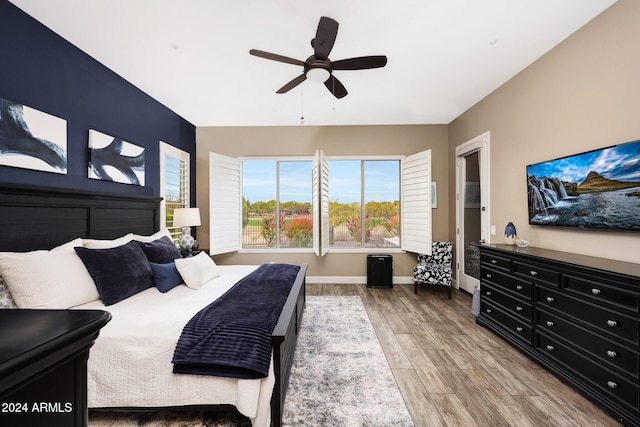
x: 379, y: 271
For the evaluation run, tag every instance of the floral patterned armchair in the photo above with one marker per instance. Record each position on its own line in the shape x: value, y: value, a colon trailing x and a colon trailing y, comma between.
x: 435, y: 269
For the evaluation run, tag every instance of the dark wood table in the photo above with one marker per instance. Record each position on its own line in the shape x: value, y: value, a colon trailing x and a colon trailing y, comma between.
x: 43, y: 365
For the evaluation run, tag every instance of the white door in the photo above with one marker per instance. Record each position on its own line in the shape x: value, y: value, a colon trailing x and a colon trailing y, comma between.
x: 472, y: 209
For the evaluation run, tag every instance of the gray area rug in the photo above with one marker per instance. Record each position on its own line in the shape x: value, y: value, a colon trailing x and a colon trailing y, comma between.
x: 340, y: 377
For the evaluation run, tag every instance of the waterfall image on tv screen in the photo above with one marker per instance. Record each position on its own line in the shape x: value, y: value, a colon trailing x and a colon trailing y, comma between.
x: 598, y: 189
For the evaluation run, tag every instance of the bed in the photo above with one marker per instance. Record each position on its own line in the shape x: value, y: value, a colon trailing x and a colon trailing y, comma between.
x: 39, y: 218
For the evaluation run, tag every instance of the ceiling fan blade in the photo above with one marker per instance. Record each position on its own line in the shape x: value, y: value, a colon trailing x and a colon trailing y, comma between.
x: 335, y: 87
x: 275, y: 57
x: 360, y: 63
x: 293, y: 83
x: 325, y: 37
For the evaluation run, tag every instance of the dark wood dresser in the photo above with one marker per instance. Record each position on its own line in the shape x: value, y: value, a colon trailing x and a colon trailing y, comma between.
x: 43, y: 365
x: 578, y: 316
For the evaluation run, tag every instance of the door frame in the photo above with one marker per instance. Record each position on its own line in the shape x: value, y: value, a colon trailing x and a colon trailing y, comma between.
x: 481, y: 144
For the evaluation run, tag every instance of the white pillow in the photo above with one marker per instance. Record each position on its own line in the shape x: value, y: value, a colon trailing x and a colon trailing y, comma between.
x: 153, y: 237
x: 107, y: 244
x: 48, y: 279
x: 197, y: 270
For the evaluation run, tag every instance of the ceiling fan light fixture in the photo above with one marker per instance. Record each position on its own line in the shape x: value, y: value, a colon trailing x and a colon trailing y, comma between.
x: 318, y: 67
x: 319, y: 75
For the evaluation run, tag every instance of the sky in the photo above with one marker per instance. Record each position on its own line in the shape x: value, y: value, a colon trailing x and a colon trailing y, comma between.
x: 382, y: 181
x: 620, y: 162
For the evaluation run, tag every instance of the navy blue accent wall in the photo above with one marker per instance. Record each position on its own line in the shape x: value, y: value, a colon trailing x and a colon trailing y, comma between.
x: 40, y: 69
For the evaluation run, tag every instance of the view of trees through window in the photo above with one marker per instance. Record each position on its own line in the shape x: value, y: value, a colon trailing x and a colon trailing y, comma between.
x: 276, y: 204
x: 363, y: 204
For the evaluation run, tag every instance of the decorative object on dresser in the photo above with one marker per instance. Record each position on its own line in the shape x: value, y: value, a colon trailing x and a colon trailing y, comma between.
x: 43, y: 365
x: 576, y: 315
x: 435, y: 269
x: 186, y: 218
x: 510, y: 234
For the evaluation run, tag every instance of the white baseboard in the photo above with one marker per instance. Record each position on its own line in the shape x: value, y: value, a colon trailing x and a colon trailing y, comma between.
x: 397, y: 280
x: 347, y: 280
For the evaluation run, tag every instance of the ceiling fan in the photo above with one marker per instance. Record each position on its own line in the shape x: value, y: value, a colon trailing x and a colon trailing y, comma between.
x: 318, y: 67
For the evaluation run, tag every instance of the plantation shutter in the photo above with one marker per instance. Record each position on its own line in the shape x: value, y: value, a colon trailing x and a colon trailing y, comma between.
x: 415, y: 207
x: 320, y: 199
x: 174, y: 185
x: 225, y: 214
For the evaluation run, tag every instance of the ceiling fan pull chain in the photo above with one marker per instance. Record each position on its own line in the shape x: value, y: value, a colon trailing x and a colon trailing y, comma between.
x: 301, y: 104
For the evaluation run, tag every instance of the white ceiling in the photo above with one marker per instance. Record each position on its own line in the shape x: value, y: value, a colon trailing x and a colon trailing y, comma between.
x: 193, y: 55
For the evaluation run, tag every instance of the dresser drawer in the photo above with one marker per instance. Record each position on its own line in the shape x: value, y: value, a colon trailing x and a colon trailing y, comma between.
x: 613, y: 324
x: 519, y: 287
x: 601, y: 292
x: 536, y: 273
x: 510, y: 304
x: 611, y: 354
x: 515, y: 327
x: 495, y: 261
x: 607, y: 382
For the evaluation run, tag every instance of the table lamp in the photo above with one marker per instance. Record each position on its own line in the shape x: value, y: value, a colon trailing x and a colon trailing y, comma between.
x: 186, y: 218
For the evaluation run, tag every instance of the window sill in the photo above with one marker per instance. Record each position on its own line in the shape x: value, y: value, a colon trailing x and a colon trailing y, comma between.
x: 366, y: 251
x: 277, y: 251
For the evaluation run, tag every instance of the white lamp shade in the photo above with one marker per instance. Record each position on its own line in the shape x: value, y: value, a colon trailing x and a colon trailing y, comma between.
x: 186, y: 217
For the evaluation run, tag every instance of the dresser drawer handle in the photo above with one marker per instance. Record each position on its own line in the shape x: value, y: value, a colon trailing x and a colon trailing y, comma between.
x: 494, y: 261
x: 488, y: 293
x: 612, y: 384
x: 550, y: 347
x: 518, y: 287
x: 534, y: 273
x: 489, y: 310
x: 518, y: 308
x: 596, y: 291
x: 612, y: 323
x: 550, y: 323
x: 550, y: 299
x: 488, y: 276
x: 612, y: 353
x: 519, y: 328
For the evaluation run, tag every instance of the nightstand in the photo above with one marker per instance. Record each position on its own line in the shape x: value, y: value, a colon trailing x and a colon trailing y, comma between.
x: 43, y: 365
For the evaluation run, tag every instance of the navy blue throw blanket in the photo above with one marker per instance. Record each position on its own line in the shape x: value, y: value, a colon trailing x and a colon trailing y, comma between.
x: 231, y: 337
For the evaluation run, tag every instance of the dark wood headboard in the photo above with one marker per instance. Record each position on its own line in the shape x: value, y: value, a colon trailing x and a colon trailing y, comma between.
x: 33, y: 217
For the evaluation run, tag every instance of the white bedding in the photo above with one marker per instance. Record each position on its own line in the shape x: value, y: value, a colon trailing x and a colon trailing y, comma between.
x: 130, y: 363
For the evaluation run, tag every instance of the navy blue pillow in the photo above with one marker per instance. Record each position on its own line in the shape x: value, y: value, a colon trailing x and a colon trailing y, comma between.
x: 161, y: 251
x: 166, y: 276
x: 117, y: 272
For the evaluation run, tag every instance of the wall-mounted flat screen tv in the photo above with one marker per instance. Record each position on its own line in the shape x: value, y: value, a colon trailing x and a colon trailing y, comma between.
x: 598, y: 189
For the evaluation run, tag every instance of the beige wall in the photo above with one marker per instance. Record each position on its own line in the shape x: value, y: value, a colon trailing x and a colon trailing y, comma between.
x: 582, y: 95
x: 335, y: 141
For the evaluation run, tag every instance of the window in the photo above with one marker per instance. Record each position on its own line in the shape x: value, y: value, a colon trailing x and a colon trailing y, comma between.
x: 364, y: 203
x: 174, y: 184
x: 270, y: 204
x: 276, y: 204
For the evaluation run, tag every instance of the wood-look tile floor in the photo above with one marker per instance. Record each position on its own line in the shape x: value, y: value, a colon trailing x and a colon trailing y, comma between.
x: 452, y: 372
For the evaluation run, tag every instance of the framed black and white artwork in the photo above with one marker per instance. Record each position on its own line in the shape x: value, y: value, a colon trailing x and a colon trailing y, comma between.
x: 112, y: 159
x: 31, y: 139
